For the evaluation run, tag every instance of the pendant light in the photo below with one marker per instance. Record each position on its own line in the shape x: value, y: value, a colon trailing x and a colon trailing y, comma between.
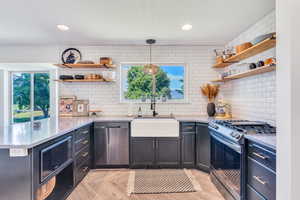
x: 150, y: 68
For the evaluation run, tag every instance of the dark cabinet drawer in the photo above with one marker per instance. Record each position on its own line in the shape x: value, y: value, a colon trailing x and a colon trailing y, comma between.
x: 262, y: 155
x: 253, y: 195
x: 82, y: 155
x: 262, y: 179
x: 188, y: 127
x: 82, y: 132
x: 82, y: 143
x: 81, y: 171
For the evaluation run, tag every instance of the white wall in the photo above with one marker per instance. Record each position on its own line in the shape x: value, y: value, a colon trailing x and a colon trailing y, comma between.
x: 29, y: 54
x: 199, y: 60
x: 251, y: 98
x: 288, y: 98
x: 254, y: 98
x: 106, y: 96
x: 1, y: 97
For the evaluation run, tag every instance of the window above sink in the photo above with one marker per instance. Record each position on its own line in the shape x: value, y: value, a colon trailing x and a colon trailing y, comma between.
x: 171, y: 83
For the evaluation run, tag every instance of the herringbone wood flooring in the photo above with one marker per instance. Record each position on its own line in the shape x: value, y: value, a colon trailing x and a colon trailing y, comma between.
x: 112, y: 185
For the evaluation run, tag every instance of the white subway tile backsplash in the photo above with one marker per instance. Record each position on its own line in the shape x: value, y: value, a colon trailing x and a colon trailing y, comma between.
x: 254, y: 98
x: 106, y: 96
x: 251, y: 98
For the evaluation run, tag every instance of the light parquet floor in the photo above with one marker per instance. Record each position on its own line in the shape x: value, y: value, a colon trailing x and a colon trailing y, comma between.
x: 112, y: 185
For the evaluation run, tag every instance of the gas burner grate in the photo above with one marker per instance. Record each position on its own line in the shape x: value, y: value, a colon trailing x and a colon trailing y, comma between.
x: 247, y: 127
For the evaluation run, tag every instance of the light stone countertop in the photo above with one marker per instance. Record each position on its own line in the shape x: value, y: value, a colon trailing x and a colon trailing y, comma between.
x: 263, y: 139
x: 24, y: 136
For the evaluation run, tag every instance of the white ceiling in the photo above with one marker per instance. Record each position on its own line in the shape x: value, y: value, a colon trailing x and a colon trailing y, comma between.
x: 95, y: 22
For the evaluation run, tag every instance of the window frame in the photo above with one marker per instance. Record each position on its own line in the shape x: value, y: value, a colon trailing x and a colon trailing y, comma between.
x: 11, y: 121
x: 175, y: 101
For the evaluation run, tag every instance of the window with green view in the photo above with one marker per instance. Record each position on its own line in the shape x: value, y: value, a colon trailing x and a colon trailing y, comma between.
x: 30, y: 96
x: 136, y: 85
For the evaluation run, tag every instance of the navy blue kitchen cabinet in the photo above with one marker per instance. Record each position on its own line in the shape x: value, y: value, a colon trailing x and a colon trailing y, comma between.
x: 70, y: 175
x: 202, y: 147
x: 195, y: 145
x: 65, y: 158
x: 82, y: 153
x: 142, y: 152
x: 188, y: 144
x: 167, y: 152
x: 261, y: 172
x: 155, y: 152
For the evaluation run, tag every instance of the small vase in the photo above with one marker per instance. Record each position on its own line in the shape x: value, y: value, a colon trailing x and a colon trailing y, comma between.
x: 211, y: 109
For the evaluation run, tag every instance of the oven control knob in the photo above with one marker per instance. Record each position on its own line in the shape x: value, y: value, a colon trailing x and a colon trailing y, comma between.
x: 235, y: 135
x: 214, y: 126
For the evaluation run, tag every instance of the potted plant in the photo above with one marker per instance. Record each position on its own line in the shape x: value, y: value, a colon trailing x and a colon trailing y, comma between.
x: 210, y: 91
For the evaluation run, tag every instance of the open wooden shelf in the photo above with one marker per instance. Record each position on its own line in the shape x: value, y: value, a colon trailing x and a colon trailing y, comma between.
x: 252, y: 51
x: 83, y: 80
x: 85, y: 66
x: 252, y: 72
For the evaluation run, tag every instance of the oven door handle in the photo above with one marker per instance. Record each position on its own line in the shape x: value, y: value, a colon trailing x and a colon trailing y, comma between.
x: 231, y: 145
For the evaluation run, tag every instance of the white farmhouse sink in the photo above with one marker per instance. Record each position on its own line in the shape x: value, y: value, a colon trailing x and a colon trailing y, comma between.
x: 159, y: 127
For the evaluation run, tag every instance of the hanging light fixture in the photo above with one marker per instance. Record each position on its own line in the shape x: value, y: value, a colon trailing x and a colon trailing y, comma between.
x: 150, y: 68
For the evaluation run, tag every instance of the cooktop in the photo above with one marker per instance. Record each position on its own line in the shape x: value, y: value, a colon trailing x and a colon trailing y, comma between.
x: 248, y: 127
x: 236, y: 129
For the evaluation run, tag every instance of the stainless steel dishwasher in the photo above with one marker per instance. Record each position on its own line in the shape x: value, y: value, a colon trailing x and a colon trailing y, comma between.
x: 111, y: 144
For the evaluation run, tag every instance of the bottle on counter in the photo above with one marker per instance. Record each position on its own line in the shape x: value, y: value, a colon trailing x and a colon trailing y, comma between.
x: 130, y: 110
x: 140, y: 114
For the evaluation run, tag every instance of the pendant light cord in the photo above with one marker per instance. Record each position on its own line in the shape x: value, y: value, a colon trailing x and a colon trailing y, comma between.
x: 150, y: 54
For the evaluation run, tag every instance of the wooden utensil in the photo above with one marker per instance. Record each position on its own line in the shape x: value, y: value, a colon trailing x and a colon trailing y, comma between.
x: 219, y: 59
x: 243, y: 47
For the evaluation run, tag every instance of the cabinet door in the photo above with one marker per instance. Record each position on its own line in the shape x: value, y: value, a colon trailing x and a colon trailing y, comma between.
x: 188, y: 151
x: 203, y: 147
x: 167, y: 152
x: 142, y: 152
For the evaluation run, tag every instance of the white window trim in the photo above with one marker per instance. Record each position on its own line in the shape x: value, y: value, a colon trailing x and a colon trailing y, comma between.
x: 186, y: 83
x: 11, y: 121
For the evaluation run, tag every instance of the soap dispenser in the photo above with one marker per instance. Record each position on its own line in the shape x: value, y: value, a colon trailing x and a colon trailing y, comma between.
x: 140, y: 112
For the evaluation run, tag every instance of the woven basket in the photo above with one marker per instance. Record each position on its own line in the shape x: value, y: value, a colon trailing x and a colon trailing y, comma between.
x: 45, y: 190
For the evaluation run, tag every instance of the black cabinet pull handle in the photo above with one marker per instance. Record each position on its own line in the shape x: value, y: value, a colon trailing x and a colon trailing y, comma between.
x: 85, y: 142
x: 258, y: 179
x: 85, y: 169
x: 260, y: 156
x: 85, y: 154
x: 113, y: 127
x: 55, y: 167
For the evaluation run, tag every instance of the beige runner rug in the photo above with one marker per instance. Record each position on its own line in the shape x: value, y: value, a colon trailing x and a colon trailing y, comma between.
x: 162, y: 181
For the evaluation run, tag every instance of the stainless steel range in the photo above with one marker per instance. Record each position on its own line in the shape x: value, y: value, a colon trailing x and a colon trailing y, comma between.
x: 227, y: 149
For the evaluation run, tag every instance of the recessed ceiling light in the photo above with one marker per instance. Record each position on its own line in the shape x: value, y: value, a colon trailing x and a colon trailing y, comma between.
x: 187, y: 27
x: 62, y: 27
